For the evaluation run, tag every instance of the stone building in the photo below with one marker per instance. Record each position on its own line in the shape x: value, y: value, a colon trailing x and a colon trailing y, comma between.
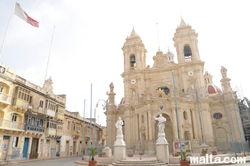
x: 34, y: 122
x: 205, y: 114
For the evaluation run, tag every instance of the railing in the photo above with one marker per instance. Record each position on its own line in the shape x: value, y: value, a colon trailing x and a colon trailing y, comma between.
x: 50, y: 131
x: 20, y: 103
x: 5, y: 98
x: 50, y: 112
x: 34, y: 128
x: 75, y: 132
x: 7, y: 124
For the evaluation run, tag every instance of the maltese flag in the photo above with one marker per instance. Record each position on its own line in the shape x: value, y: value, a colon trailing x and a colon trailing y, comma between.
x: 23, y: 15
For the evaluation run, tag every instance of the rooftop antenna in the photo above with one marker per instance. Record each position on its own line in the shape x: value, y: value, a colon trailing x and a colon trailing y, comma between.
x: 158, y: 36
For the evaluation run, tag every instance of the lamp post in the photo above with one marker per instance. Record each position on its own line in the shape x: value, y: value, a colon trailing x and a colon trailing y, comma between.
x: 196, y: 93
x: 177, y: 114
x: 105, y: 107
x: 83, y: 132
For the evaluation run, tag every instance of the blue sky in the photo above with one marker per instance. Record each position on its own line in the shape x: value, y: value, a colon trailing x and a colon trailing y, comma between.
x: 89, y: 35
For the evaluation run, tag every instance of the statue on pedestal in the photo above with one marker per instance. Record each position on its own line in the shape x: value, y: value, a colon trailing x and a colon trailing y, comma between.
x: 119, y: 135
x: 161, y: 133
x: 118, y: 126
x: 161, y: 124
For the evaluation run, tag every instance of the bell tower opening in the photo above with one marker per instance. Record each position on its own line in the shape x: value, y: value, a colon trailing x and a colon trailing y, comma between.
x: 187, y: 53
x: 132, y: 61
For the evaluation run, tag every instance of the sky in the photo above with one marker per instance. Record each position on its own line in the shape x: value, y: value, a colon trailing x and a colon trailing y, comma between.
x: 81, y: 42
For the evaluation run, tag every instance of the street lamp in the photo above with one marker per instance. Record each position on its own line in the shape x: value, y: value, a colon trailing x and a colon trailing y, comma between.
x: 197, y: 93
x: 105, y: 107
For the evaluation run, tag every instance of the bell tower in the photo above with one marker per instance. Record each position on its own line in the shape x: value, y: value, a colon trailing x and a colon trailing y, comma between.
x: 185, y: 42
x: 134, y: 53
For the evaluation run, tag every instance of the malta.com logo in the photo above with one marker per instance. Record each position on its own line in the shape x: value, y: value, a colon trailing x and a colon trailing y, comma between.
x: 210, y: 159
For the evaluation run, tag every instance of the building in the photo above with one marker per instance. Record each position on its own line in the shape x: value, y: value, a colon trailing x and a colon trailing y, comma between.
x: 34, y: 122
x: 204, y: 111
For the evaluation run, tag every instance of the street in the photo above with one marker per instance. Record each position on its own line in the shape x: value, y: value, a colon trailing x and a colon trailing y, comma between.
x: 69, y: 161
x: 237, y: 164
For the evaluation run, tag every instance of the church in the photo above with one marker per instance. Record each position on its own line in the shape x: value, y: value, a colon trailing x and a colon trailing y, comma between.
x: 196, y: 110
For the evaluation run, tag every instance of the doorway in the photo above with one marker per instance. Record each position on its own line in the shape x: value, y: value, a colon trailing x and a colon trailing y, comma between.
x: 67, y: 148
x: 25, y: 147
x: 34, y: 148
x: 5, y: 146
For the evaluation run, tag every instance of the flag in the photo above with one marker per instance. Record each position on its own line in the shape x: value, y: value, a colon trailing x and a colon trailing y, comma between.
x: 24, y: 16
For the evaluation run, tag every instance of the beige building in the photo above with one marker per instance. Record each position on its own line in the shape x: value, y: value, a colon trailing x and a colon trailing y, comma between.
x: 167, y: 85
x: 34, y: 122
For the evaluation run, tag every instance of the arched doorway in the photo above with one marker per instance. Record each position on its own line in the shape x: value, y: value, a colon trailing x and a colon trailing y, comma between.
x: 221, y: 139
x: 168, y: 132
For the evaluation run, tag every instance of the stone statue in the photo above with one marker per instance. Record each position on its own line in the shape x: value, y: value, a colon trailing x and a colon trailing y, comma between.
x: 161, y: 124
x: 47, y: 86
x: 223, y: 72
x: 118, y: 126
x: 111, y: 86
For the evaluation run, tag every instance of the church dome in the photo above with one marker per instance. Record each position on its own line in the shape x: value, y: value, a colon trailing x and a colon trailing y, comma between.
x: 169, y: 53
x: 213, y: 89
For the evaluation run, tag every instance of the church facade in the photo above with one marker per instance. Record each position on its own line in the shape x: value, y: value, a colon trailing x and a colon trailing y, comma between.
x: 182, y: 92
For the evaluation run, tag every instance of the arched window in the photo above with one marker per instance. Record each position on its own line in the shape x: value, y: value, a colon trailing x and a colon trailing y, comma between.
x: 132, y: 60
x: 187, y: 51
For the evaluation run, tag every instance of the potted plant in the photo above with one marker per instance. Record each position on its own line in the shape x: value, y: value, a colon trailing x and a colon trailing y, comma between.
x: 184, y: 161
x: 214, y: 152
x: 130, y: 155
x: 103, y: 154
x: 92, y: 152
x: 204, y: 152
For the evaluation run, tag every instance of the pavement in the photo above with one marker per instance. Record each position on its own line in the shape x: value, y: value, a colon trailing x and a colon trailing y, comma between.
x: 143, y: 158
x: 85, y: 162
x: 41, y: 159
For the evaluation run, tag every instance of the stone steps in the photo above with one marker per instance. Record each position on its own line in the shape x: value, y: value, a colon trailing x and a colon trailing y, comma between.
x: 138, y: 163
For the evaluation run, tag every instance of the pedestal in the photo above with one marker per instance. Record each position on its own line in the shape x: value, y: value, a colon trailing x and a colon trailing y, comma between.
x: 161, y: 139
x: 119, y: 152
x: 119, y: 149
x: 119, y: 140
x: 162, y: 152
x: 108, y: 151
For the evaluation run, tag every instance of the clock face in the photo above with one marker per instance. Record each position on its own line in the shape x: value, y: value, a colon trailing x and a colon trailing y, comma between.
x: 190, y: 73
x: 133, y: 81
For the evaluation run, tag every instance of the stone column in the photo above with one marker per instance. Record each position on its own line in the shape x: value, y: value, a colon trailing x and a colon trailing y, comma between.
x: 150, y: 132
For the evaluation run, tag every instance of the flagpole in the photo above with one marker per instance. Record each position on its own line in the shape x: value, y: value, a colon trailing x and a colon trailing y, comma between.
x: 7, y: 30
x: 91, y: 116
x: 49, y: 54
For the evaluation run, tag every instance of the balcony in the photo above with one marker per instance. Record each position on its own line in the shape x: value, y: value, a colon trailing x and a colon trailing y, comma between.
x: 50, y: 112
x: 5, y: 99
x: 34, y: 128
x: 60, y: 116
x: 59, y: 132
x: 11, y: 125
x: 50, y: 132
x: 20, y: 105
x: 75, y: 134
